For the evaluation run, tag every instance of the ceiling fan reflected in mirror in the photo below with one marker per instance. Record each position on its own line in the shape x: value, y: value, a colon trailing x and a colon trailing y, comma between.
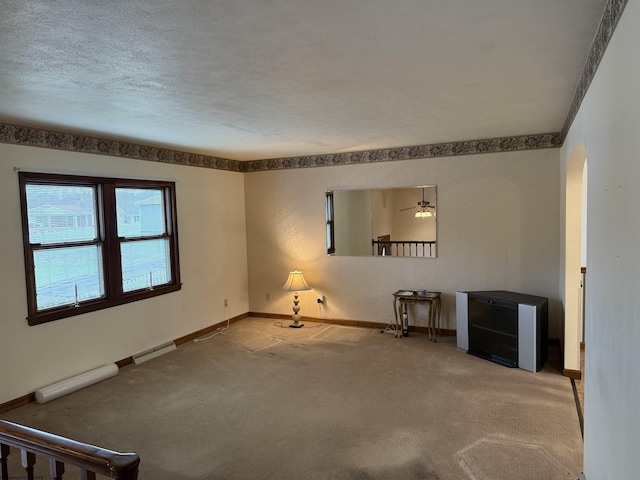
x: 424, y: 209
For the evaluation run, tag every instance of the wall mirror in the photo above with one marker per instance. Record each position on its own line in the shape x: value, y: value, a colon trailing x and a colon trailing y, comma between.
x: 394, y: 222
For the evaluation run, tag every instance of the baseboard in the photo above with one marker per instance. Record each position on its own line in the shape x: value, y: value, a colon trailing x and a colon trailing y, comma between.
x: 17, y: 402
x: 349, y: 323
x: 209, y: 329
x: 124, y: 362
x: 575, y: 374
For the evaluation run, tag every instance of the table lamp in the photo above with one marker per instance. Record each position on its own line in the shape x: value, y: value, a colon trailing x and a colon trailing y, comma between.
x: 296, y: 283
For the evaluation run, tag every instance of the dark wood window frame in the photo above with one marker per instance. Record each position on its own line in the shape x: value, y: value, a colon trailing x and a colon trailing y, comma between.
x: 107, y: 237
x: 330, y: 232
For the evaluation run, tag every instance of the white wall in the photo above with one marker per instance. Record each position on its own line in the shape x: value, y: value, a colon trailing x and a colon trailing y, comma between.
x: 382, y: 212
x: 352, y: 220
x: 211, y: 229
x: 406, y: 226
x: 498, y: 228
x: 608, y: 126
x: 583, y: 216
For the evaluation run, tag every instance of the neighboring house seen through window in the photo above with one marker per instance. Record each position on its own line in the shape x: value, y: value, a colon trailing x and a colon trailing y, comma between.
x: 93, y: 243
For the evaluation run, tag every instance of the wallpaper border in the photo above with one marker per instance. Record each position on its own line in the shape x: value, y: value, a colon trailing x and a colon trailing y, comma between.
x: 38, y: 137
x: 608, y: 23
x: 452, y: 149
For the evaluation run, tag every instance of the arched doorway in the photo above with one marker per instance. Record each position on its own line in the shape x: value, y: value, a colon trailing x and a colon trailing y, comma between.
x: 575, y: 258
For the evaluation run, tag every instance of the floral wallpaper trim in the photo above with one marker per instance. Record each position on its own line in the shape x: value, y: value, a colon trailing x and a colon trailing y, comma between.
x: 37, y: 137
x: 472, y: 147
x: 611, y: 15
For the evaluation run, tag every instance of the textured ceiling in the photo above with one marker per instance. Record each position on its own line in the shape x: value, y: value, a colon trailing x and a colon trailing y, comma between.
x: 252, y: 79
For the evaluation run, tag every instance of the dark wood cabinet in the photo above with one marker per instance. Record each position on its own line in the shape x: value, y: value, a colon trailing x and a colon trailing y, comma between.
x: 505, y: 327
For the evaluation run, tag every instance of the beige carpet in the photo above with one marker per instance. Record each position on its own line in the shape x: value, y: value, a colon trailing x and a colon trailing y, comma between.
x: 325, y: 402
x: 335, y: 333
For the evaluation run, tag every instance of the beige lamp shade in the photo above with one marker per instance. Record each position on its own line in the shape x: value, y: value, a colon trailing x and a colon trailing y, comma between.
x: 296, y: 282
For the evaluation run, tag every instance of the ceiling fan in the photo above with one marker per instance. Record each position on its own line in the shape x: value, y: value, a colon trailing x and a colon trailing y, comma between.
x: 424, y: 209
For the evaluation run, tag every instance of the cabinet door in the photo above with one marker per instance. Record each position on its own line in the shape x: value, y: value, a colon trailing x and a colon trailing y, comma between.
x: 480, y: 328
x: 504, y: 349
x: 504, y: 338
x: 493, y: 330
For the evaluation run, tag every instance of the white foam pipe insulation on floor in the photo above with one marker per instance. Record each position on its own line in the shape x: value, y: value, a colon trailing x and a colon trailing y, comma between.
x: 73, y: 384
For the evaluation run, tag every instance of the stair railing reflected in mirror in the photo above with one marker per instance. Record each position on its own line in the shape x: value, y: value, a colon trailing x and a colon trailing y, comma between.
x: 389, y: 222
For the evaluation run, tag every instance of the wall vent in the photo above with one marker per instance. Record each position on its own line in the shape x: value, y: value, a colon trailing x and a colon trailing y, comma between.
x: 153, y: 352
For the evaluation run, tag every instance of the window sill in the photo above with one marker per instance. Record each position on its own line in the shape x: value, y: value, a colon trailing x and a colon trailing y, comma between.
x: 101, y: 304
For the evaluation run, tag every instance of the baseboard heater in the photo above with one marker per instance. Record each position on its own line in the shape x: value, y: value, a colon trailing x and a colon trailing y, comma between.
x: 73, y: 384
x: 153, y: 352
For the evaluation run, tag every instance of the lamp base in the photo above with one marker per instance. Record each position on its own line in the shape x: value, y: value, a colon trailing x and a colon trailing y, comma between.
x: 296, y: 325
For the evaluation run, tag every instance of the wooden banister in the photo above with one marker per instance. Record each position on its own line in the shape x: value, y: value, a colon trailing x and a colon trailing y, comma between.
x: 63, y: 451
x: 402, y: 248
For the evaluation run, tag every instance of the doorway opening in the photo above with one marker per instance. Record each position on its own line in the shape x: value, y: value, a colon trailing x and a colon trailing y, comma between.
x: 575, y: 269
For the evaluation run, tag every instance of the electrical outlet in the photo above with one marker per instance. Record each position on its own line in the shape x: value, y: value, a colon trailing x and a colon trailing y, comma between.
x: 320, y: 299
x: 226, y: 302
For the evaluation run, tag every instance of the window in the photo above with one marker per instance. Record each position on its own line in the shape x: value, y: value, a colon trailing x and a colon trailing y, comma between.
x: 93, y: 243
x: 331, y: 241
